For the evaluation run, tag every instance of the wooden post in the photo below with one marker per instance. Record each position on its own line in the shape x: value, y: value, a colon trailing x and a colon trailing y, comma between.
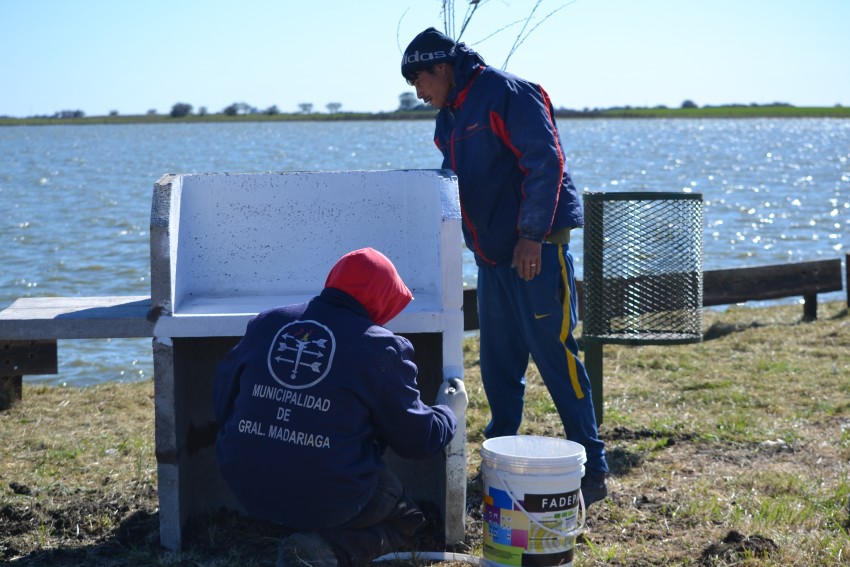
x: 810, y: 307
x: 593, y: 364
x: 11, y: 388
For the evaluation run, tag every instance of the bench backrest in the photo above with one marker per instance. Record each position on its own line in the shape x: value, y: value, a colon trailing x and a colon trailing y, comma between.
x: 255, y: 240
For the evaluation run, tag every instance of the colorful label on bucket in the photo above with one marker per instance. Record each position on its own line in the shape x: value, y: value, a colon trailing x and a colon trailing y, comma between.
x: 512, y: 537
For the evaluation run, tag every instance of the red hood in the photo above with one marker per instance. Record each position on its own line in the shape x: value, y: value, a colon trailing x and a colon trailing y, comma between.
x: 370, y: 278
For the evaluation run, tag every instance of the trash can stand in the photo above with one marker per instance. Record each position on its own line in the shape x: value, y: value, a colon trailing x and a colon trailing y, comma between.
x: 642, y: 273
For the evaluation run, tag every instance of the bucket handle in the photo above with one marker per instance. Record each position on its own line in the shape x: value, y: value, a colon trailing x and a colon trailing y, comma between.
x: 572, y: 533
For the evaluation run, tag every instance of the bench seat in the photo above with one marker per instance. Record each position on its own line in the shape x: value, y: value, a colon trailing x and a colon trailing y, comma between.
x: 219, y: 316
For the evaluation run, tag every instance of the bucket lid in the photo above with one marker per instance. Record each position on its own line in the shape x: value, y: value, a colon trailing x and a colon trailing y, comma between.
x: 522, y: 453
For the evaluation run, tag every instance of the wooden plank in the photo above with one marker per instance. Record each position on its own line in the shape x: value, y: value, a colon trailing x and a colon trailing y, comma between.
x: 19, y: 358
x: 28, y: 357
x: 736, y: 285
x: 77, y: 318
x: 724, y: 287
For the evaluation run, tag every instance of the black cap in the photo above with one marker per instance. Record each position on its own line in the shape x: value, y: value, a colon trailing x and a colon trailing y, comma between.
x: 429, y: 48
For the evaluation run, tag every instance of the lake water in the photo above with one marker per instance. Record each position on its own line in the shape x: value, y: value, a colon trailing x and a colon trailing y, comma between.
x: 77, y: 198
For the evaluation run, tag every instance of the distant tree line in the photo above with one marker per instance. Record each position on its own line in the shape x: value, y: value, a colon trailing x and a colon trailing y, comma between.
x: 407, y: 102
x: 69, y: 114
x: 181, y: 109
x: 686, y: 104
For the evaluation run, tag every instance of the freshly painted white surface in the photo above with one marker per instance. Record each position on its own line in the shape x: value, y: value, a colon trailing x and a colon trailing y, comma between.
x: 241, y: 243
x: 225, y: 247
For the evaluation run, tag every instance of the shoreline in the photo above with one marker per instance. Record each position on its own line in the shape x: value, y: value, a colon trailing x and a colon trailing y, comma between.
x: 726, y: 112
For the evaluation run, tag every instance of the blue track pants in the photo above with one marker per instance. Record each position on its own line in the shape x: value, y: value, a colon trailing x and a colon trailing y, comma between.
x: 519, y: 318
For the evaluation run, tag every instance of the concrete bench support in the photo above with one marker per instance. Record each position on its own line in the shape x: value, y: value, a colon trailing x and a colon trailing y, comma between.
x: 225, y: 247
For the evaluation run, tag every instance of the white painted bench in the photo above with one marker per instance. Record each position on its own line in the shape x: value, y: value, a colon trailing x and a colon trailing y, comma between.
x: 225, y: 247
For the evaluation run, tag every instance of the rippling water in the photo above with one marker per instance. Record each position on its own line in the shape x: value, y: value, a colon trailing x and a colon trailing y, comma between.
x: 774, y: 190
x: 78, y: 197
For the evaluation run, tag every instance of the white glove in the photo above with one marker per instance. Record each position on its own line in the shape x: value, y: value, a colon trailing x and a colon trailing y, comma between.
x: 452, y: 393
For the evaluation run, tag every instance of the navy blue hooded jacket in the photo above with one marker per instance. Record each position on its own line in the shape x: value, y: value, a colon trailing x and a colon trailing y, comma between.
x: 313, y: 393
x: 497, y: 133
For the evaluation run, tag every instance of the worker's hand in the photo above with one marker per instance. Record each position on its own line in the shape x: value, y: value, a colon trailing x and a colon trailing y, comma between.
x: 526, y: 258
x: 453, y: 394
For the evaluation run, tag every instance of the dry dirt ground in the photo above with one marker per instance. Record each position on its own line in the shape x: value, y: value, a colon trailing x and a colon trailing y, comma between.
x: 118, y: 524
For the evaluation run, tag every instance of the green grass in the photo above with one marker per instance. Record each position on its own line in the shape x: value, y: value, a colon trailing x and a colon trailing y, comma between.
x: 733, y: 451
x: 773, y: 111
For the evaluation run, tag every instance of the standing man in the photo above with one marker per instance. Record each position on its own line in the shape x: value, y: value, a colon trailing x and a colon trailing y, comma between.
x: 308, y: 401
x: 497, y: 132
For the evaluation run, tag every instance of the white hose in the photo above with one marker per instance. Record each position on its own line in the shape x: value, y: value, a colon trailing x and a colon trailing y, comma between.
x: 430, y: 556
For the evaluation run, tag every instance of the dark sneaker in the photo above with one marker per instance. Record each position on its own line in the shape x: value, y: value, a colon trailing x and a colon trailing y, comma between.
x: 593, y: 488
x: 305, y: 550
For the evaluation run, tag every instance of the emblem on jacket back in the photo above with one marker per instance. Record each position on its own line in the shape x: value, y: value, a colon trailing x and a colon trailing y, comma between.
x: 301, y: 354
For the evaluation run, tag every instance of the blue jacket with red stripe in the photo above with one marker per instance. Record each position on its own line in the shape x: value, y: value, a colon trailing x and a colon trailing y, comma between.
x: 497, y: 133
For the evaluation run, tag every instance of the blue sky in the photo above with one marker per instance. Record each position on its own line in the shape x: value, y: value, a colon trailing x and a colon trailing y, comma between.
x: 131, y: 56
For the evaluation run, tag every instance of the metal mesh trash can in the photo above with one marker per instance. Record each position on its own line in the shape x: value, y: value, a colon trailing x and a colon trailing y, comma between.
x: 642, y: 273
x: 643, y: 267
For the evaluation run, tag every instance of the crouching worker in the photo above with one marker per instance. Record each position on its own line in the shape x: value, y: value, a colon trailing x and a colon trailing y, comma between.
x: 308, y: 401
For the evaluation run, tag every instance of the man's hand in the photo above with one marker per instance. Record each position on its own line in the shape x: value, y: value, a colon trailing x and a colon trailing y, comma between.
x: 526, y: 258
x: 453, y: 394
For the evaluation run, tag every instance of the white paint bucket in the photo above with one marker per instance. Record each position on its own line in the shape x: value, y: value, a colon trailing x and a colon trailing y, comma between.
x: 533, y: 508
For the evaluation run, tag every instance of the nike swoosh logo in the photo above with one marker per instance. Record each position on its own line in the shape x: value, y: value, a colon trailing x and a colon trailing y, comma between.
x: 536, y: 316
